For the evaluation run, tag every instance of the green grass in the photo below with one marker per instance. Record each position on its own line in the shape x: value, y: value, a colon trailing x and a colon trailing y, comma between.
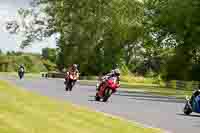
x: 156, y: 89
x: 130, y: 78
x: 27, y: 75
x: 24, y: 112
x: 148, y: 88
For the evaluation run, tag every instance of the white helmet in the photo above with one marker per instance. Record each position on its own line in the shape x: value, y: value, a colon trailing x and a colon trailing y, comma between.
x: 117, y: 72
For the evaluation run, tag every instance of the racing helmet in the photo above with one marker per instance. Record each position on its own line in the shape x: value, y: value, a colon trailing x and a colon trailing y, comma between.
x: 117, y: 72
x: 74, y: 65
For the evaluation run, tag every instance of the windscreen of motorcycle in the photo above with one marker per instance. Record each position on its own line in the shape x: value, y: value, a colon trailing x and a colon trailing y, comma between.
x: 114, y: 79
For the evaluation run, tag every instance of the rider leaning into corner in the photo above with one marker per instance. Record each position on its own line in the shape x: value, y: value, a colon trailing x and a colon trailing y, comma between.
x: 113, y: 74
x: 195, y: 94
x: 73, y: 69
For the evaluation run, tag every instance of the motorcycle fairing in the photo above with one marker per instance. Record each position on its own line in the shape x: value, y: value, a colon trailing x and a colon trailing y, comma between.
x: 196, y: 104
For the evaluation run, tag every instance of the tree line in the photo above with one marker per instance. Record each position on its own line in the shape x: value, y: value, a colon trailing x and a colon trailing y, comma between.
x: 144, y: 37
x: 33, y: 63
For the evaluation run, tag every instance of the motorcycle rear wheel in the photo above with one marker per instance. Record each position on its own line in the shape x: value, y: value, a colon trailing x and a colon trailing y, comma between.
x: 97, y: 98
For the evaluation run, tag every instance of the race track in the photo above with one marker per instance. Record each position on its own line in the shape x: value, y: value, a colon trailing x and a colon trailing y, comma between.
x: 161, y: 112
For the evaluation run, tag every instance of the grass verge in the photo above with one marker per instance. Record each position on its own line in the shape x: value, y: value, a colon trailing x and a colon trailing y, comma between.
x: 23, y: 112
x: 27, y: 75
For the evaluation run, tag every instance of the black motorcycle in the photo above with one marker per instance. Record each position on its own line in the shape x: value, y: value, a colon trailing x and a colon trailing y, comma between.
x: 192, y: 107
x: 21, y: 74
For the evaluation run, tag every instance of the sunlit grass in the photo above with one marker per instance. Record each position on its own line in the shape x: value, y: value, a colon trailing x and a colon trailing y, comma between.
x: 23, y: 112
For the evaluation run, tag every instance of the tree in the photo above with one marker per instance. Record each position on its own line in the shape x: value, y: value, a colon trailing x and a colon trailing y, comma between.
x: 104, y: 26
x: 174, y: 24
x: 49, y: 54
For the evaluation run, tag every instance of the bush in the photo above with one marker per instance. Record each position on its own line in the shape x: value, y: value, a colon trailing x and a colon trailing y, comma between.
x: 124, y: 70
x: 11, y: 63
x: 49, y: 65
x: 32, y: 63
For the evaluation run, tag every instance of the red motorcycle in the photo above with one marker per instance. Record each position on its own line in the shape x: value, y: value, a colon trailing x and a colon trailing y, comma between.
x: 70, y: 81
x: 107, y: 89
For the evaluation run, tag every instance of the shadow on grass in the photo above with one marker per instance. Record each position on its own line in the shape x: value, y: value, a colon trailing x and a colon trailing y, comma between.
x: 141, y: 94
x: 149, y: 97
x: 92, y: 100
x: 158, y: 100
x: 170, y: 93
x: 142, y: 86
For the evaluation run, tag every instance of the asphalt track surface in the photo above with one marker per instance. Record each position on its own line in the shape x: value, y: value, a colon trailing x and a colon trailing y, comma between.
x: 155, y: 111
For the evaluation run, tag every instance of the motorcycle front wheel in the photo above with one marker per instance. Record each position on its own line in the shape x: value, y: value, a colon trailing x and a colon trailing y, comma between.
x: 187, y: 110
x: 66, y: 88
x: 107, y: 94
x: 20, y: 75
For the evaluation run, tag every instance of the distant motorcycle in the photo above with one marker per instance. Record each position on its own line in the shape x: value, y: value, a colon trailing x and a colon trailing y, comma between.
x: 21, y: 73
x: 107, y: 89
x: 194, y: 107
x: 70, y: 81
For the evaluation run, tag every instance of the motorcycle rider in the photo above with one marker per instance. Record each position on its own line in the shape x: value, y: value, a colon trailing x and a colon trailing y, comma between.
x: 113, y: 74
x: 21, y: 70
x: 73, y: 69
x: 195, y: 94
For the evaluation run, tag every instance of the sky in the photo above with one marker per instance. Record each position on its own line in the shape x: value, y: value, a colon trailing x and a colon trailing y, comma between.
x: 8, y: 10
